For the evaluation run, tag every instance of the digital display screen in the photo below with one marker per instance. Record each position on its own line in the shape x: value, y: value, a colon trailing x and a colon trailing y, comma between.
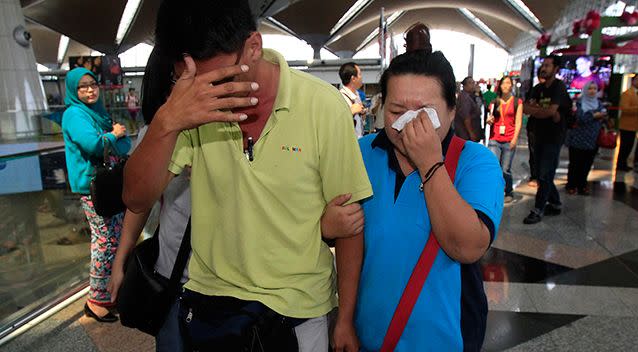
x: 577, y: 70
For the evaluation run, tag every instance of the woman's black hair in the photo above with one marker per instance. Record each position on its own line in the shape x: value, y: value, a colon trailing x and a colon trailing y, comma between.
x: 499, y: 92
x: 422, y: 62
x: 156, y: 84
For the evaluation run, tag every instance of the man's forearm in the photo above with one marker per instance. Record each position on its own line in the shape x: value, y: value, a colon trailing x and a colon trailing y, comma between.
x: 538, y: 112
x: 146, y: 173
x: 349, y: 252
x: 131, y: 230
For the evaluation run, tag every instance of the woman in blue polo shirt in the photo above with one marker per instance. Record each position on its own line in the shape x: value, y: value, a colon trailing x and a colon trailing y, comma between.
x: 415, y: 197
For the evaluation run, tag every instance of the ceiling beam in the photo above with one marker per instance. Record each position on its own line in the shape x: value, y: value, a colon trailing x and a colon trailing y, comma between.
x: 29, y: 3
x: 282, y: 27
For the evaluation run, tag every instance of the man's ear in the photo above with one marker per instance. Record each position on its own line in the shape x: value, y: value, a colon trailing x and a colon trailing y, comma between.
x: 253, y: 48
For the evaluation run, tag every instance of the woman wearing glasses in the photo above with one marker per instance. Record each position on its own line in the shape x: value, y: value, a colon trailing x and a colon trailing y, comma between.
x: 87, y: 129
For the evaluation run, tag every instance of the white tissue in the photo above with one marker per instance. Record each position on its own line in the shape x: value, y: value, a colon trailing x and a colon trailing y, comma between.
x: 410, y: 115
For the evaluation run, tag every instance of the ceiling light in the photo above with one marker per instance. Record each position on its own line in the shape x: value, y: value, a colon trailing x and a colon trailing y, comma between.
x: 62, y: 48
x: 130, y: 11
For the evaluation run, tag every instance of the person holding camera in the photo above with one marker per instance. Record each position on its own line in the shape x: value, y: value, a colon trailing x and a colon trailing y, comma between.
x: 352, y: 80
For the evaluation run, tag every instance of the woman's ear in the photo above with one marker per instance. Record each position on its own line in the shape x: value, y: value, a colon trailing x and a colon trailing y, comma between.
x: 253, y: 48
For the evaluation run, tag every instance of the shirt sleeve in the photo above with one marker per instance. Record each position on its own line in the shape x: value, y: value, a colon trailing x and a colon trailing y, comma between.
x: 340, y: 163
x: 122, y: 145
x: 559, y: 95
x: 532, y: 95
x: 480, y: 183
x: 182, y: 154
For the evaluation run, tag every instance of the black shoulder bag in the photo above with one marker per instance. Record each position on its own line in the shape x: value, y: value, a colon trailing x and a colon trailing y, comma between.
x: 107, y: 185
x: 145, y: 297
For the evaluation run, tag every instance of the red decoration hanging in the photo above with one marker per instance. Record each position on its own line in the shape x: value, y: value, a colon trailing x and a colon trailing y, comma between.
x: 591, y: 22
x: 576, y: 27
x: 587, y: 25
x: 630, y: 18
x: 543, y: 41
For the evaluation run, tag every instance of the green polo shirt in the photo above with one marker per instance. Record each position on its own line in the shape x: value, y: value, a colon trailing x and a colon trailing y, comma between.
x: 255, y: 225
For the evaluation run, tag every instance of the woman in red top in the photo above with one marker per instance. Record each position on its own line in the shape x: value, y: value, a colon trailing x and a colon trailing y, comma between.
x: 505, y: 117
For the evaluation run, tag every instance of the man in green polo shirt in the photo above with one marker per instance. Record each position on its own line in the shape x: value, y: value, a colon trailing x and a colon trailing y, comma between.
x: 268, y: 148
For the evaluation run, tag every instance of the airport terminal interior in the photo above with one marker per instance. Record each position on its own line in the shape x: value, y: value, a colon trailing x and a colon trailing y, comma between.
x: 566, y: 283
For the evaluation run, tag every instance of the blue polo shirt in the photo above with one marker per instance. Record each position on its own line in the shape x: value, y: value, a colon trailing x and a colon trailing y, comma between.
x: 450, y: 314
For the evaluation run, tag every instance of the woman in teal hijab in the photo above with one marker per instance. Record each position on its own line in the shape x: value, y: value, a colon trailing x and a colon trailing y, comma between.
x: 87, y: 127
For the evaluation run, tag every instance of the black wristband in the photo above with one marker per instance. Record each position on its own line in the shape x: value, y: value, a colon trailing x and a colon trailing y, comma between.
x: 430, y: 173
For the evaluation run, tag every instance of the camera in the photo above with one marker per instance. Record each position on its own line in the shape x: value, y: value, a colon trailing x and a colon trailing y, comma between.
x: 22, y: 36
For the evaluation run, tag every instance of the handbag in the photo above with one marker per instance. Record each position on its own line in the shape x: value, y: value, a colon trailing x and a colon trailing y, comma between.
x: 145, y: 297
x: 107, y: 185
x: 422, y: 268
x: 606, y: 138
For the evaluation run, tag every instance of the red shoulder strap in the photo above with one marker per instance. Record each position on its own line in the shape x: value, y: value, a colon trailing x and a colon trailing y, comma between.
x: 422, y: 267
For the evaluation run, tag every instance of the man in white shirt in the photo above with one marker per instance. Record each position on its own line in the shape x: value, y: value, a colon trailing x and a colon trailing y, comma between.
x: 352, y: 80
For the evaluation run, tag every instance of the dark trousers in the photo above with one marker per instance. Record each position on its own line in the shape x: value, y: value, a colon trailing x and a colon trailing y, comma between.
x: 580, y: 162
x: 627, y: 139
x: 531, y: 141
x: 547, y: 156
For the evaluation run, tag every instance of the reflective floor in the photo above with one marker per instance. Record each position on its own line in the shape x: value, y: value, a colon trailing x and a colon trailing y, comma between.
x: 569, y: 283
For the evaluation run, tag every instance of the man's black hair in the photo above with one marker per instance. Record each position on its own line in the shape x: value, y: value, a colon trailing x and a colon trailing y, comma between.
x: 556, y: 60
x: 464, y: 81
x: 423, y: 63
x: 489, y: 86
x: 347, y: 71
x: 202, y: 28
x: 156, y: 84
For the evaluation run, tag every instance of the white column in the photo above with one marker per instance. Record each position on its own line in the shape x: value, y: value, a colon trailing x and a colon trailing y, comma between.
x: 21, y: 90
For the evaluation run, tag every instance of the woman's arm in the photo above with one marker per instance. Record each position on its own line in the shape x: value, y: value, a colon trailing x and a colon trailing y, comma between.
x: 84, y: 133
x: 517, y: 125
x: 456, y: 225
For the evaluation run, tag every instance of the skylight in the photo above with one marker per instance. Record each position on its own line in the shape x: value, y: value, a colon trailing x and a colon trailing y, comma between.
x: 130, y: 11
x: 62, y: 48
x: 352, y: 12
x: 482, y: 26
x: 520, y: 6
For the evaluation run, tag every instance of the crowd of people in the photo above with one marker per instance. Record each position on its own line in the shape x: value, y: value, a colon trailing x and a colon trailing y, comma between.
x: 269, y: 167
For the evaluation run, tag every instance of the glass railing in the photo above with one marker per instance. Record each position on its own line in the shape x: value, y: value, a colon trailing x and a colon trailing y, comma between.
x: 44, y: 235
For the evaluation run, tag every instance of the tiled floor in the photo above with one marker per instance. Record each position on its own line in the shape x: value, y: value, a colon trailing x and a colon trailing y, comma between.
x: 569, y: 283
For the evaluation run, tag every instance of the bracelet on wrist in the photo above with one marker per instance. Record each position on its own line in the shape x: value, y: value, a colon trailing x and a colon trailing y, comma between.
x: 430, y: 173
